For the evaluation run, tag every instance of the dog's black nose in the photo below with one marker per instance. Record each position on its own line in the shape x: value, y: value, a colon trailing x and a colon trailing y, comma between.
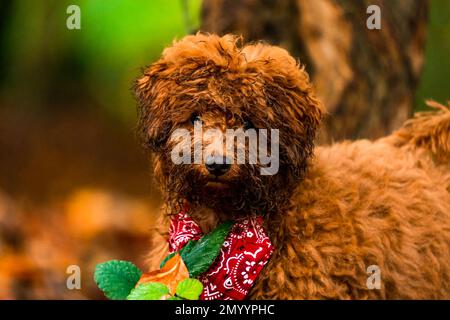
x: 217, y: 168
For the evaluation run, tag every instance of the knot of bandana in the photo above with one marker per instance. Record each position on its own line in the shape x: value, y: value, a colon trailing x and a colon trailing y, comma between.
x: 244, y: 253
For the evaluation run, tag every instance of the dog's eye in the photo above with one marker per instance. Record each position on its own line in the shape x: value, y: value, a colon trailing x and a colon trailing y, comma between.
x: 196, y: 118
x: 248, y: 125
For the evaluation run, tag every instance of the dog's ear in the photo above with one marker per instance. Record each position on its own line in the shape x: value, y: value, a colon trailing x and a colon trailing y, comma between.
x: 151, y: 94
x: 164, y: 91
x: 289, y: 93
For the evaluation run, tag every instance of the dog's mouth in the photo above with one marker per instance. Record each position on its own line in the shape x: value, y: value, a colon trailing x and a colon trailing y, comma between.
x: 216, y: 182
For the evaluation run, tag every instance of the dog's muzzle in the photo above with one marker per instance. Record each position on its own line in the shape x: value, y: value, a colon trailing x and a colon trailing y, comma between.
x: 217, y: 168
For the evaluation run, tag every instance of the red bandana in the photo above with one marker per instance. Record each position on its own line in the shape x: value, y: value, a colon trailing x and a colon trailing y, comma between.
x: 243, y: 255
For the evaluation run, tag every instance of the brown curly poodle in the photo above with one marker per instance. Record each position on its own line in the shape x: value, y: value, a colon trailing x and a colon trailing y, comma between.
x: 330, y: 211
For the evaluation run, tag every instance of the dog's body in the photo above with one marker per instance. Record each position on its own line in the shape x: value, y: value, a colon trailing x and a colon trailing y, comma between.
x: 364, y: 203
x: 338, y: 216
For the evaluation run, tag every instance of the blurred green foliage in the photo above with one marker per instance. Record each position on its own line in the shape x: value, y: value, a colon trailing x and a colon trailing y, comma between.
x: 120, y: 37
x: 435, y: 82
x: 45, y: 66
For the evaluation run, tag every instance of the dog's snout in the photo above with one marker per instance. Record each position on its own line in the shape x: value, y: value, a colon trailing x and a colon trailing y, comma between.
x: 216, y: 167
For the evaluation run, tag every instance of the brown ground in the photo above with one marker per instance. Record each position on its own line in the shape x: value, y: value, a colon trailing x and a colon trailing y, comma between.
x: 74, y: 189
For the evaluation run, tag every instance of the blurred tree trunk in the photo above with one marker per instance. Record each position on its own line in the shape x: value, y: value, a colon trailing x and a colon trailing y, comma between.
x: 366, y: 78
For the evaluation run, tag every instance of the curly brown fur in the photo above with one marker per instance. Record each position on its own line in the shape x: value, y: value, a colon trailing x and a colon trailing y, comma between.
x: 330, y: 211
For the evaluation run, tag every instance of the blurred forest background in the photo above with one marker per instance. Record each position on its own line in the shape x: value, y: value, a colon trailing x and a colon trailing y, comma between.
x: 75, y: 186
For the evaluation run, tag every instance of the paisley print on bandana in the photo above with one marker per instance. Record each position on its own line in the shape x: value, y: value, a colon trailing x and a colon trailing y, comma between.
x: 243, y: 255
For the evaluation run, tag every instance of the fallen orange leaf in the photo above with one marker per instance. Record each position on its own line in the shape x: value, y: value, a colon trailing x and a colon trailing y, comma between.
x: 171, y: 274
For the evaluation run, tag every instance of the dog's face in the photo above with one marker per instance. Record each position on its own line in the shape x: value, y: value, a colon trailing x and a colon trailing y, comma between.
x: 231, y: 128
